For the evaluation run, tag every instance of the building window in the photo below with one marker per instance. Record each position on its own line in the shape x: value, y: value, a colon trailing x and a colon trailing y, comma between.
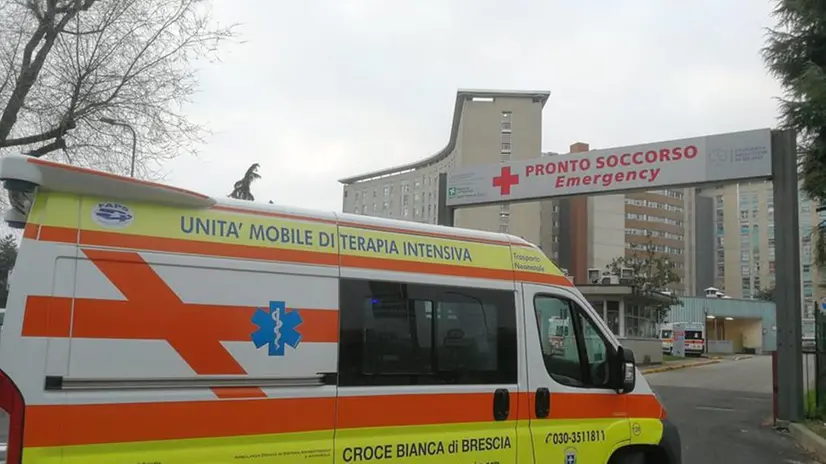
x: 640, y: 322
x: 506, y: 121
x: 506, y: 147
x: 395, y: 333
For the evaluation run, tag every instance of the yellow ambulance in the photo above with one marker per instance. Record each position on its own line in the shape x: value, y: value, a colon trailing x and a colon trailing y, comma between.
x: 148, y: 324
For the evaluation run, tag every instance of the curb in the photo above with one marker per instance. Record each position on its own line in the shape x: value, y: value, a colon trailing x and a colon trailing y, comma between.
x: 655, y: 370
x: 809, y: 440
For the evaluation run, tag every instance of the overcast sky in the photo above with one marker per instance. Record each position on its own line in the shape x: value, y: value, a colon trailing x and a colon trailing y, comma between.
x: 323, y: 89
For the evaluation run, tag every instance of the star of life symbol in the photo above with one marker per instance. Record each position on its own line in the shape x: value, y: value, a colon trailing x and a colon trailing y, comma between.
x: 277, y: 328
x: 570, y: 456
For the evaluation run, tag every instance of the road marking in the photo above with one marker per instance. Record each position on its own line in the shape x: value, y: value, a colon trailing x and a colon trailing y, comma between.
x: 714, y: 408
x: 751, y: 398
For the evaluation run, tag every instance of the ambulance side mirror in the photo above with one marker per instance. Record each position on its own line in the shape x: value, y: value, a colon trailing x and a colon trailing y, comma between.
x: 624, y: 370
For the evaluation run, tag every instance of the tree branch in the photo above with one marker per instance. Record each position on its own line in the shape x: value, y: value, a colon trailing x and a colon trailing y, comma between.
x: 59, y: 144
x: 28, y: 140
x: 47, y: 32
x: 78, y: 33
x: 123, y: 59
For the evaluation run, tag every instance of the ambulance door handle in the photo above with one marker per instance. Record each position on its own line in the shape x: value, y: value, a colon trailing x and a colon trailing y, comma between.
x: 542, y: 403
x: 501, y: 404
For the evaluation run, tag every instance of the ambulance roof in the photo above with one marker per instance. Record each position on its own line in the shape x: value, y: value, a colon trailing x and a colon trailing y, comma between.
x: 59, y: 177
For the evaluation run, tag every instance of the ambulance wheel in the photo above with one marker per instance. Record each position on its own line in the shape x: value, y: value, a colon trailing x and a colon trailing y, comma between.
x: 634, y: 458
x: 630, y: 456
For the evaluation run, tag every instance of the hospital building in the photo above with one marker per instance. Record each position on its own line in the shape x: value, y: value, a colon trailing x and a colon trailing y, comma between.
x: 578, y: 233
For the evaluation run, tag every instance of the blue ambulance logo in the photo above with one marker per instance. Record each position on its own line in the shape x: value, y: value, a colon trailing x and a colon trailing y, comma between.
x: 570, y: 456
x: 277, y: 328
x: 109, y: 214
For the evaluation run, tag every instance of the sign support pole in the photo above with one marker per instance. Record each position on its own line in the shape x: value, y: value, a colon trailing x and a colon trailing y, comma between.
x: 787, y: 290
x: 444, y: 213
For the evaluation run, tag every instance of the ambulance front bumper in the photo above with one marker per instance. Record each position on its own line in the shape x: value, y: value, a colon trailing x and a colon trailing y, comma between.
x: 670, y: 443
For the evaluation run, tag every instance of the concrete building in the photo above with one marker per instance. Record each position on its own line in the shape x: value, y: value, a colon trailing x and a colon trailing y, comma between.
x: 578, y: 233
x: 732, y: 325
x: 626, y: 225
x: 744, y: 251
x: 488, y: 127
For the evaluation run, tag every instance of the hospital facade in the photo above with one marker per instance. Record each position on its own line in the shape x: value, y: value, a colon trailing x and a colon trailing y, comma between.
x: 578, y: 233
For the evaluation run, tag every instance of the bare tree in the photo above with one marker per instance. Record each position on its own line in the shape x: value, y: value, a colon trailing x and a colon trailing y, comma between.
x: 71, y: 69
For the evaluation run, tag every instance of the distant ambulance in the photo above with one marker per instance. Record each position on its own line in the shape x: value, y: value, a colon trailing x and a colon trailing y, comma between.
x: 695, y: 340
x: 666, y: 335
x: 558, y: 332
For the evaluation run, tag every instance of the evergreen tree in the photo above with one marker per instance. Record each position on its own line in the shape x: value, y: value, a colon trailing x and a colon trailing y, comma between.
x: 242, y: 189
x: 796, y: 55
x: 766, y: 294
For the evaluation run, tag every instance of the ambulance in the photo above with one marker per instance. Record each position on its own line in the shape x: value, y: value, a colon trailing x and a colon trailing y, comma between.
x: 695, y: 339
x: 666, y: 335
x: 150, y: 324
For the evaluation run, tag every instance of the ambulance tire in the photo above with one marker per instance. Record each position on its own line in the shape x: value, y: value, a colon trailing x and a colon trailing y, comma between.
x: 638, y: 455
x: 629, y: 458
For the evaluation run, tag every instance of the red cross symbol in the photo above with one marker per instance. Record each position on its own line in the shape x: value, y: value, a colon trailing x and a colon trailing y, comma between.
x: 505, y: 180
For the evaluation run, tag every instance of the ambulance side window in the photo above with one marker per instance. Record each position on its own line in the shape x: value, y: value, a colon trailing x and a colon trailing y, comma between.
x: 573, y: 349
x: 394, y: 333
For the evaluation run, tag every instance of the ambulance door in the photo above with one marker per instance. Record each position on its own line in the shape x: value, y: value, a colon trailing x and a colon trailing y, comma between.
x: 427, y: 373
x: 575, y: 416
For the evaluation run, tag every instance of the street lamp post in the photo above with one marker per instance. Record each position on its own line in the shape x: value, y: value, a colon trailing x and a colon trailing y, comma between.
x: 115, y: 122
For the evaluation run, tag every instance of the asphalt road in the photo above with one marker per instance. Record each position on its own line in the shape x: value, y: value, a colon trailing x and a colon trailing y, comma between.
x: 724, y: 412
